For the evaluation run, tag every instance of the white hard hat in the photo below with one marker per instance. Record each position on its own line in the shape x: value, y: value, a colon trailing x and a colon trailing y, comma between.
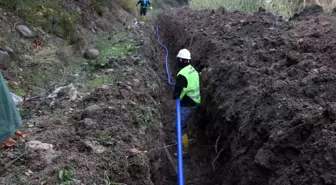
x: 184, y: 53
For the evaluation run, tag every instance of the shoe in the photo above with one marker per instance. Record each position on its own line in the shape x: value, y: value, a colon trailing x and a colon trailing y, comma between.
x: 10, y: 142
x: 20, y: 134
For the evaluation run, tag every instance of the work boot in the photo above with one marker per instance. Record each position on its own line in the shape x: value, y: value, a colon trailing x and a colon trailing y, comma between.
x: 185, y: 145
x: 185, y: 142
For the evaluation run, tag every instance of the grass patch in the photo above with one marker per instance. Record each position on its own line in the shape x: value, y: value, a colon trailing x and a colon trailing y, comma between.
x: 100, y: 5
x: 128, y: 5
x: 244, y: 5
x: 99, y: 81
x: 281, y: 7
x: 112, y: 48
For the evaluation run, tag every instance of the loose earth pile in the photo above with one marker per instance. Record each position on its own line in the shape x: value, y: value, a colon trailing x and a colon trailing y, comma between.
x: 268, y: 86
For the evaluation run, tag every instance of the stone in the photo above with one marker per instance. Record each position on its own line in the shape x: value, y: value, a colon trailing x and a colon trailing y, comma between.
x: 136, y: 82
x: 47, y: 153
x: 27, y: 58
x: 25, y: 31
x: 90, y: 111
x: 91, y: 53
x: 94, y: 145
x: 89, y: 123
x: 4, y: 60
x: 7, y: 49
x: 39, y: 145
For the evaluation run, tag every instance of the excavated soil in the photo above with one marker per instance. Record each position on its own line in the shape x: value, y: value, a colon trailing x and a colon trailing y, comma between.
x: 269, y: 102
x: 110, y: 135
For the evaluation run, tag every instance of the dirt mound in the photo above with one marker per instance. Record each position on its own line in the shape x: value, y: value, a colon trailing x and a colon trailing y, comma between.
x: 268, y: 93
x: 308, y: 11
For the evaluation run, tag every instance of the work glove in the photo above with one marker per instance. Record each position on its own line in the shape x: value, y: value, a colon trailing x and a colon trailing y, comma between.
x: 151, y: 8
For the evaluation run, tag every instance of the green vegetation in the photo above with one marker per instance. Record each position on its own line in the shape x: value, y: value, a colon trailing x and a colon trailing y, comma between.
x: 66, y: 177
x: 41, y: 13
x: 128, y: 5
x: 105, y: 138
x: 112, y: 47
x: 100, y: 5
x: 99, y: 81
x: 143, y: 115
x: 281, y: 7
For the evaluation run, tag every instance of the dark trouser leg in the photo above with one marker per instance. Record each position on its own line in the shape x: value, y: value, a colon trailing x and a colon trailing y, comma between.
x: 143, y: 12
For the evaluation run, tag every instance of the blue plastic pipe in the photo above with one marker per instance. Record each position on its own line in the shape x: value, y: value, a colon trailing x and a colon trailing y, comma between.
x: 180, y: 173
x: 167, y: 69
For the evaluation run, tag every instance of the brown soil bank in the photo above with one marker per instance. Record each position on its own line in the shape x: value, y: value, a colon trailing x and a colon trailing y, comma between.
x: 268, y: 91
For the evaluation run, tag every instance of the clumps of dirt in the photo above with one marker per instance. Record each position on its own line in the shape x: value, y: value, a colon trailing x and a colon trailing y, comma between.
x: 106, y: 137
x: 111, y: 135
x: 308, y: 12
x: 268, y: 98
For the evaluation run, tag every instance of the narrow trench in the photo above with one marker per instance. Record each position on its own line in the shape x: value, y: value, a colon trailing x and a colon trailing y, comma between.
x: 198, y: 168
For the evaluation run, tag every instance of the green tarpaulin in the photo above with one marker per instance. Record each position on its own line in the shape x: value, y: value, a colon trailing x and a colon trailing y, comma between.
x: 10, y: 119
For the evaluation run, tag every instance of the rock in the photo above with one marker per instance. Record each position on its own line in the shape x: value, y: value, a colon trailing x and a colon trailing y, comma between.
x: 47, y: 153
x: 94, y: 145
x: 27, y: 58
x: 39, y: 145
x: 222, y: 10
x: 90, y: 111
x: 68, y: 92
x: 136, y: 82
x: 4, y: 60
x: 25, y: 31
x: 89, y: 123
x: 10, y: 155
x: 7, y: 49
x: 262, y: 158
x: 135, y: 58
x: 91, y: 53
x: 109, y: 71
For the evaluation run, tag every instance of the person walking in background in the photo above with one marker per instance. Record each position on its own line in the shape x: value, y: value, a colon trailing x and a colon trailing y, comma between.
x: 143, y: 7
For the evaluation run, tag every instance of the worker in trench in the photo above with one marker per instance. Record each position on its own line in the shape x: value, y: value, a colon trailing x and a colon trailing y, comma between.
x: 187, y: 89
x: 143, y: 7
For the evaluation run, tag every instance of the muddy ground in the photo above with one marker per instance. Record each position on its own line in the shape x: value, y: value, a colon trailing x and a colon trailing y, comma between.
x: 267, y: 114
x: 268, y: 108
x: 107, y: 127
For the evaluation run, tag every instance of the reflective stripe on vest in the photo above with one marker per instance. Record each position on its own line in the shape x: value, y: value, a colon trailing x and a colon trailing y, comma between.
x: 193, y: 88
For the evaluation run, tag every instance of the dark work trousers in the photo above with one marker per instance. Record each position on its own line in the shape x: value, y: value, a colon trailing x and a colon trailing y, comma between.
x: 143, y: 11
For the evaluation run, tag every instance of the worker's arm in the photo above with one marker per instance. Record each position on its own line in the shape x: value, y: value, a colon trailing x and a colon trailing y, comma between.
x: 138, y: 2
x: 181, y: 82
